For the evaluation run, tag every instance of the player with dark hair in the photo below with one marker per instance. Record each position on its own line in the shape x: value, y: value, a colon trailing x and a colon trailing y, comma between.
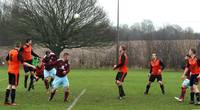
x: 63, y: 68
x: 186, y: 81
x: 156, y: 68
x: 49, y: 61
x: 14, y: 59
x: 193, y: 65
x: 27, y: 53
x: 122, y: 70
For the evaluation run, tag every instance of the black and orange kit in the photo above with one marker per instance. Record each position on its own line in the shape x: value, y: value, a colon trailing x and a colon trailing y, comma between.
x: 156, y: 68
x: 193, y: 65
x: 122, y: 67
x: 27, y: 53
x: 14, y: 59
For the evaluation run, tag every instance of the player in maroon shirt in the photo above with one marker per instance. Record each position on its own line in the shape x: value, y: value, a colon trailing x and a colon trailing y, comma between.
x: 186, y: 81
x: 39, y: 71
x: 49, y: 61
x: 63, y: 68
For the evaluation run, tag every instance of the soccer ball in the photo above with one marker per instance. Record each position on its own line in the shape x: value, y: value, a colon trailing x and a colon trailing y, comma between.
x: 76, y: 16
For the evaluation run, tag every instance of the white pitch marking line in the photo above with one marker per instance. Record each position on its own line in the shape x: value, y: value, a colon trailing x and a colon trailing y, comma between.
x: 76, y: 100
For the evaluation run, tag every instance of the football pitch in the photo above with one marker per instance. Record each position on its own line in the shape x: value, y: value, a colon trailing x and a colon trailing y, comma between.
x: 101, y: 92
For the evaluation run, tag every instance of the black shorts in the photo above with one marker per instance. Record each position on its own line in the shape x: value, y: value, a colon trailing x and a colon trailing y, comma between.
x: 13, y: 79
x: 194, y: 79
x: 153, y: 77
x: 28, y: 69
x: 120, y: 76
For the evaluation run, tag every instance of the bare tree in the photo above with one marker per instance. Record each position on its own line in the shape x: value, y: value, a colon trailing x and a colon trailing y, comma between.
x: 52, y: 23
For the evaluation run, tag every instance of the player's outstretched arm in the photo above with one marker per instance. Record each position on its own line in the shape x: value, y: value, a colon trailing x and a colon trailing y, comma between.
x: 184, y: 73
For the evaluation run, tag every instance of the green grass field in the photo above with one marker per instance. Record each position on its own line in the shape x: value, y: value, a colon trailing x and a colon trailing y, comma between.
x: 101, y: 92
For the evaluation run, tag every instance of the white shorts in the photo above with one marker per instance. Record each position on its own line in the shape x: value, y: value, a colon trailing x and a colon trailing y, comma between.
x: 60, y: 81
x: 50, y: 73
x: 186, y: 83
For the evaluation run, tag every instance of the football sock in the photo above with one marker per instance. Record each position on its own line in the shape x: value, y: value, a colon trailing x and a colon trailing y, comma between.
x: 13, y: 91
x: 121, y: 91
x: 25, y: 81
x: 198, y: 96
x: 192, y: 96
x: 52, y: 95
x: 183, y: 91
x: 147, y: 89
x: 66, y: 96
x: 7, y: 95
x: 31, y: 83
x: 162, y: 88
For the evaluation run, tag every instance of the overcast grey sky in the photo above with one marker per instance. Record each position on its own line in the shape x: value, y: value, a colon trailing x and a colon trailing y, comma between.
x: 162, y: 12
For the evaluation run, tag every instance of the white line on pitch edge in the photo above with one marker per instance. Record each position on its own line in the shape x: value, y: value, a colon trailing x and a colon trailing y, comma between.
x: 76, y: 100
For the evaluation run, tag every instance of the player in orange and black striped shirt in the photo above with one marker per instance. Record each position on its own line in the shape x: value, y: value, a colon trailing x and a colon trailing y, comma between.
x: 14, y: 59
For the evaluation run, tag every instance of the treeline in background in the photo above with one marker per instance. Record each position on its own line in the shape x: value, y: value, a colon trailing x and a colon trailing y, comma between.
x: 91, y: 39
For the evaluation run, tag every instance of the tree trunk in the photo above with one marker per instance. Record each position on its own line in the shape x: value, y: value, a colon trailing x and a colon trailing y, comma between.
x: 57, y: 50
